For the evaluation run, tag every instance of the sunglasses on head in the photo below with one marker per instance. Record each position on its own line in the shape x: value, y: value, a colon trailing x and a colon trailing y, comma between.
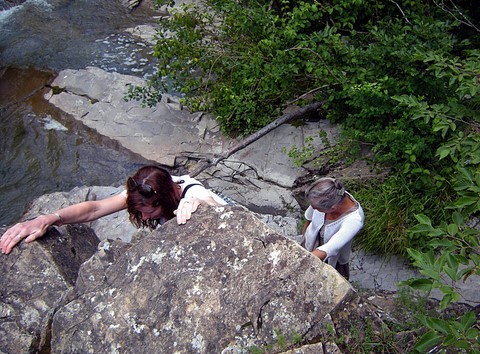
x: 144, y: 189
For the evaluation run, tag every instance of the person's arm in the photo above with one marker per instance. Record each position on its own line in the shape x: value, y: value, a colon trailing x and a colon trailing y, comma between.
x: 316, y: 252
x: 78, y: 213
x: 349, y: 229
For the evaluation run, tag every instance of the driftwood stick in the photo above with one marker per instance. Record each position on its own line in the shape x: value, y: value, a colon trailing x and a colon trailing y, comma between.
x: 257, y: 135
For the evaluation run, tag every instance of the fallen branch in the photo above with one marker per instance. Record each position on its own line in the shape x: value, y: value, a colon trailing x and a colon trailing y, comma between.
x: 313, y: 107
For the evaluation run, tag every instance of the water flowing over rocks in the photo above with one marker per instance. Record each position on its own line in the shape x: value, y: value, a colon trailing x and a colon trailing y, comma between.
x: 8, y: 4
x: 131, y: 4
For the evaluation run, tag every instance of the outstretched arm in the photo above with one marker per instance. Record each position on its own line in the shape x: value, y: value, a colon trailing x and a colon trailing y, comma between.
x: 82, y: 212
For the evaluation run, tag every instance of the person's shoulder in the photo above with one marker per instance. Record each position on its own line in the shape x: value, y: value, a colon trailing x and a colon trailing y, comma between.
x: 178, y: 179
x: 185, y: 180
x: 356, y: 215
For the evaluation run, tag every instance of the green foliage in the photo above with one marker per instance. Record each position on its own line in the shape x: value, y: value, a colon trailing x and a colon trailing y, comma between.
x: 244, y: 60
x: 229, y: 57
x: 148, y: 95
x: 459, y: 334
x: 445, y: 331
x: 310, y: 152
x: 454, y: 257
x: 410, y: 303
x: 301, y: 156
x: 364, y: 334
x: 454, y: 248
x: 390, y: 207
x: 395, y: 74
x: 319, y: 154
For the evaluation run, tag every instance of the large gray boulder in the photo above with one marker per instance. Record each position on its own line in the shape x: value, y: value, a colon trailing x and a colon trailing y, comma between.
x: 221, y: 283
x: 34, y: 279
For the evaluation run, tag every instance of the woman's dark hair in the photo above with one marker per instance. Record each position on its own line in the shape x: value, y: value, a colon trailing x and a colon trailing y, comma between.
x: 151, y: 186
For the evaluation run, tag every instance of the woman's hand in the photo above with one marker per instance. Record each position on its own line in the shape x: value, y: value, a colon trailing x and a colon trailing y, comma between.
x: 320, y: 254
x: 187, y: 206
x: 27, y: 230
x: 185, y: 209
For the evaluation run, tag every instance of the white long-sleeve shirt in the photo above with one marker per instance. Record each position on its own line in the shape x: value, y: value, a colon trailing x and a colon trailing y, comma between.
x: 338, y: 234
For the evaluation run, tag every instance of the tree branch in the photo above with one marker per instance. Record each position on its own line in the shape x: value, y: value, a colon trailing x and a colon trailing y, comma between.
x: 403, y: 13
x: 464, y: 20
x: 313, y: 107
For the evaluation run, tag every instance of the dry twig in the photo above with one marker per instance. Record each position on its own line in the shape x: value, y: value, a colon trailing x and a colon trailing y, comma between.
x: 313, y: 107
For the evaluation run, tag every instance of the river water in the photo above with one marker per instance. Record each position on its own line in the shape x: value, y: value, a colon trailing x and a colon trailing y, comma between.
x: 43, y: 150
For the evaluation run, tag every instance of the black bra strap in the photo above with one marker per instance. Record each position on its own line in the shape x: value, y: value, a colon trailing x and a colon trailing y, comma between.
x: 188, y: 187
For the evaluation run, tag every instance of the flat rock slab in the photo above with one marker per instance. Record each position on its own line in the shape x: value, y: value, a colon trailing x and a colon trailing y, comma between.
x: 378, y: 272
x: 166, y: 133
x: 160, y: 133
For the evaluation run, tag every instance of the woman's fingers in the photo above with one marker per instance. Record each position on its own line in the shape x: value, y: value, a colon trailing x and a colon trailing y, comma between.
x: 33, y: 236
x: 29, y: 230
x: 10, y: 239
x: 185, y: 209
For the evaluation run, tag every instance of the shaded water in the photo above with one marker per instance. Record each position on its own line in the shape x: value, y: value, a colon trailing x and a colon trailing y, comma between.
x: 43, y: 150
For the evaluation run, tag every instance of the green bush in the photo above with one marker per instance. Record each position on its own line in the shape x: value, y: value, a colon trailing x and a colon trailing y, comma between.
x: 390, y: 207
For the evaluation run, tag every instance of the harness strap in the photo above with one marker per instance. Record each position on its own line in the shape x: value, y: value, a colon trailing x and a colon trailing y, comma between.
x: 188, y: 187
